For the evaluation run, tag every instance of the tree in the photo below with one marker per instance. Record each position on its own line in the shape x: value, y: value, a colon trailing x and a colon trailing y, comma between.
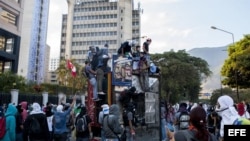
x: 9, y: 80
x: 219, y: 92
x: 182, y: 74
x: 236, y: 68
x: 66, y: 79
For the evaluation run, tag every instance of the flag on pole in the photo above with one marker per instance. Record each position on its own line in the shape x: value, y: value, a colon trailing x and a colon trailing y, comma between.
x: 72, y: 68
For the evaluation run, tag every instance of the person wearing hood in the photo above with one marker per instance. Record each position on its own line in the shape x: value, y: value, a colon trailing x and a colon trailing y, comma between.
x: 111, y: 124
x: 10, y: 113
x: 59, y: 121
x: 85, y: 135
x: 24, y: 106
x: 19, y: 124
x: 226, y: 110
x: 36, y: 114
x: 102, y: 114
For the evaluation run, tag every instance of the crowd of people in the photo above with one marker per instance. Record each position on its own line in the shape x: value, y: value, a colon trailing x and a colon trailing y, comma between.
x: 46, y: 123
x: 202, y: 122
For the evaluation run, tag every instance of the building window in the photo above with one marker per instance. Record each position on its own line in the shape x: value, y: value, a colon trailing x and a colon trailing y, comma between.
x: 2, y: 43
x: 10, y: 45
x: 8, y: 17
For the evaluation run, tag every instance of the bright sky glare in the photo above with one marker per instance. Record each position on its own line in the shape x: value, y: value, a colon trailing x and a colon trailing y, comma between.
x: 175, y: 24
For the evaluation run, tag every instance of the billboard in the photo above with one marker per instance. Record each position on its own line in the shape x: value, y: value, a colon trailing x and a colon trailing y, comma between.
x: 122, y: 71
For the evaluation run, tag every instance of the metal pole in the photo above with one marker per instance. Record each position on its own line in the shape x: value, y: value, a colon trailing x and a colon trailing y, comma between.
x: 236, y: 73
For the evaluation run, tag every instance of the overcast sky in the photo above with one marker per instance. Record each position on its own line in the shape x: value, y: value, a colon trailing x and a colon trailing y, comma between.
x: 175, y: 24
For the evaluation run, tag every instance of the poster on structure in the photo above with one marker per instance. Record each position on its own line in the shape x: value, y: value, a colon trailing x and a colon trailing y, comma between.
x: 122, y: 71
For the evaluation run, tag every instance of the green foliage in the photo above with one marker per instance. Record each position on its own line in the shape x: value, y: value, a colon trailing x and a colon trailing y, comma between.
x: 245, y: 95
x: 77, y: 84
x: 236, y: 68
x: 219, y: 92
x: 181, y: 75
x: 9, y: 80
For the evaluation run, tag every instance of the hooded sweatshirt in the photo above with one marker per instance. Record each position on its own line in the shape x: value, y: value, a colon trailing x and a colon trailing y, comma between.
x: 111, y: 123
x: 10, y: 134
x: 227, y: 112
x: 41, y: 118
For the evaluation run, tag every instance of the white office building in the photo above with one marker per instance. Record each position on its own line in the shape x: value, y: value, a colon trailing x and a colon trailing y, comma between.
x: 95, y: 23
x: 33, y: 49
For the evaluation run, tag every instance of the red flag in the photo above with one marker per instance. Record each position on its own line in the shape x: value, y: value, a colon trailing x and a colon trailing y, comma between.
x: 69, y: 64
x: 72, y: 68
x: 73, y: 71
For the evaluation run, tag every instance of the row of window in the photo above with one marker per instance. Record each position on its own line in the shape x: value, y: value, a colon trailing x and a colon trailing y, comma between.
x: 96, y: 25
x: 94, y: 17
x: 94, y: 34
x: 90, y: 9
x: 8, y: 17
x: 80, y: 52
x: 89, y: 43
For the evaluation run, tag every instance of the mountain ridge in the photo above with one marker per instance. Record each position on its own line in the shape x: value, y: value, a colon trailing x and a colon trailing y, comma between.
x: 215, y: 57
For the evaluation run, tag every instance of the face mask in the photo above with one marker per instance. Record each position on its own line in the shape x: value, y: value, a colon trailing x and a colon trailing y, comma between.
x: 220, y: 111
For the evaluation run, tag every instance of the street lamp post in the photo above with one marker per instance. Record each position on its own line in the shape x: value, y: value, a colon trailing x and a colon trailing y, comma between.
x: 236, y: 74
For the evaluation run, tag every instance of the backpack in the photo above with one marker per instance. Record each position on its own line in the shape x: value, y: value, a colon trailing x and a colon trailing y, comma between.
x: 2, y: 127
x: 241, y: 121
x: 34, y: 127
x: 184, y: 120
x: 81, y: 124
x: 125, y: 118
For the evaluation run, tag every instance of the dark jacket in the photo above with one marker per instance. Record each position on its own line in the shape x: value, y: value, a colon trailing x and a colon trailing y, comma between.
x: 42, y: 119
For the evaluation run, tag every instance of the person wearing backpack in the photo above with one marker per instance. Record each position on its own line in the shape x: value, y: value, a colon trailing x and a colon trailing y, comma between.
x: 182, y: 118
x: 197, y: 130
x: 129, y: 121
x: 60, y: 121
x: 83, y: 126
x: 35, y: 125
x: 10, y: 124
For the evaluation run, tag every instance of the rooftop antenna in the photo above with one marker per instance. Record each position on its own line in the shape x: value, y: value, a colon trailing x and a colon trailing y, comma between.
x: 139, y: 7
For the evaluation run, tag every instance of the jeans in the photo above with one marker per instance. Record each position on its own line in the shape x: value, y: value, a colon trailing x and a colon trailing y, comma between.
x: 103, y: 135
x: 94, y: 85
x: 163, y: 129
